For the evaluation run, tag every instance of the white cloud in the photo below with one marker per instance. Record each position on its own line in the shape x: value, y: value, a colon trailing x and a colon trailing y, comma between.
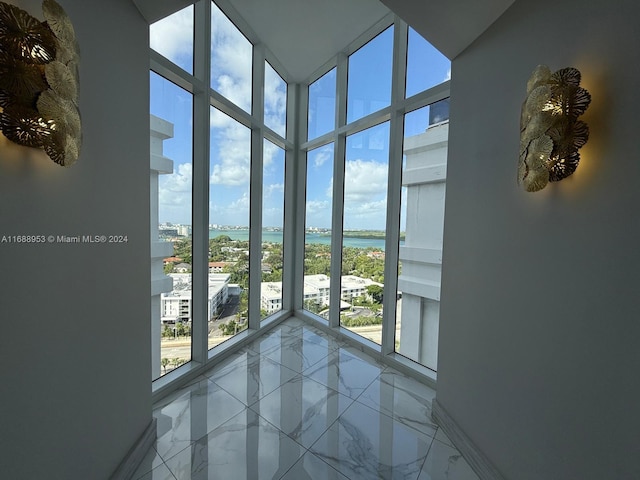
x: 318, y: 213
x: 173, y: 36
x: 272, y: 217
x: 240, y: 205
x: 269, y: 152
x: 234, y: 213
x: 365, y: 181
x: 369, y: 209
x: 448, y: 75
x: 232, y: 144
x: 177, y: 182
x: 275, y: 101
x: 321, y: 157
x: 174, y: 195
x: 231, y: 60
x: 366, y: 216
x: 315, y: 206
x: 230, y: 174
x: 365, y: 199
x: 269, y: 190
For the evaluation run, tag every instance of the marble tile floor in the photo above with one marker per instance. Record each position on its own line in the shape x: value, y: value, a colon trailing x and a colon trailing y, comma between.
x: 296, y: 405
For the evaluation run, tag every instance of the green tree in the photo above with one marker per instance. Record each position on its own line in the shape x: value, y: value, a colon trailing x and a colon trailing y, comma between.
x: 167, y: 332
x: 182, y: 249
x: 182, y: 329
x: 221, y: 239
x: 312, y: 306
x: 232, y: 327
x: 359, y: 321
x: 376, y: 292
x: 164, y: 362
x: 243, y: 306
x: 176, y: 362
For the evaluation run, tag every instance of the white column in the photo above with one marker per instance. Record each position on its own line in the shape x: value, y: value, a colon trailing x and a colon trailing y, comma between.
x: 160, y: 283
x: 421, y: 255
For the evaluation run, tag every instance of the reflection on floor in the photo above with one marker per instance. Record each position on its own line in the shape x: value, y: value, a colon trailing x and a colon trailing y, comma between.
x: 299, y: 405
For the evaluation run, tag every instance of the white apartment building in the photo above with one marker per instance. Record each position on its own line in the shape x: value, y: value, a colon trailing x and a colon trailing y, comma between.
x: 271, y: 297
x: 316, y: 289
x: 177, y: 304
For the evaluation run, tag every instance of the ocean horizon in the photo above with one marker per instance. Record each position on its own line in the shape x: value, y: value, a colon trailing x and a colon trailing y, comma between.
x: 310, y: 237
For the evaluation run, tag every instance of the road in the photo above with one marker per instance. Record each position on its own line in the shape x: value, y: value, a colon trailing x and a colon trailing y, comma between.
x: 181, y: 348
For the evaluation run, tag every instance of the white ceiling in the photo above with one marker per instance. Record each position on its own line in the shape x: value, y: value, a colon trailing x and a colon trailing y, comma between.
x: 304, y: 34
x: 449, y: 25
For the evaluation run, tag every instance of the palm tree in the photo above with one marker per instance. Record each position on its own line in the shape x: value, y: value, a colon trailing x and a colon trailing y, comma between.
x: 164, y: 362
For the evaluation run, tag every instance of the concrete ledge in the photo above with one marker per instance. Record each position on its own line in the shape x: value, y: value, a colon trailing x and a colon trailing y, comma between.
x: 471, y: 453
x: 419, y: 287
x: 425, y: 174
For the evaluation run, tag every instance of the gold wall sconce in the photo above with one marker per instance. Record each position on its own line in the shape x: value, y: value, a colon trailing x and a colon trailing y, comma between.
x: 550, y: 132
x: 39, y: 81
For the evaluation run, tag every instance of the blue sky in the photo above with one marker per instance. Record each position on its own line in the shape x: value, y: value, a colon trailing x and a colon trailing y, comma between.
x: 367, y: 152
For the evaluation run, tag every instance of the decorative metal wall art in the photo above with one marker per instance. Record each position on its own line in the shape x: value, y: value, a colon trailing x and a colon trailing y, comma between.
x: 39, y: 81
x: 550, y: 132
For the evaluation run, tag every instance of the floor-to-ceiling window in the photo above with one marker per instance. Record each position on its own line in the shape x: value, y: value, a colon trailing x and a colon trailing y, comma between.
x: 377, y: 129
x: 360, y: 155
x: 173, y: 103
x: 225, y: 100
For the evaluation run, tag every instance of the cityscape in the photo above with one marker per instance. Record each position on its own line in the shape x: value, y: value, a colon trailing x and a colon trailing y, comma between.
x: 361, y: 283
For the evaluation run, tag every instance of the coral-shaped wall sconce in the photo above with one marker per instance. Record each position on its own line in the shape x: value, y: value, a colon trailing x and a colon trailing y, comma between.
x: 550, y: 132
x: 39, y: 81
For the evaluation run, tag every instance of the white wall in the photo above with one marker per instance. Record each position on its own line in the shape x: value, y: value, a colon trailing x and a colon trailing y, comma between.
x: 74, y: 346
x: 539, y: 332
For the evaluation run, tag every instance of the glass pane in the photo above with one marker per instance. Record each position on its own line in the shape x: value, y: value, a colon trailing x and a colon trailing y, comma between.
x: 172, y: 309
x: 272, y: 228
x: 421, y: 228
x: 426, y: 66
x: 369, y: 87
x: 275, y: 101
x: 172, y: 37
x: 364, y: 230
x: 322, y: 105
x: 230, y: 165
x: 317, y: 237
x: 231, y: 60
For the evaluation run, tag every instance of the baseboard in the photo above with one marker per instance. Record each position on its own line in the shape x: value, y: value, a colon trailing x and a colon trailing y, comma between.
x: 134, y: 457
x: 471, y: 453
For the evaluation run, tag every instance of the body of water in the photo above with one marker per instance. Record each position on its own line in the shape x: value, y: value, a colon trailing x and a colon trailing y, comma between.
x: 276, y: 237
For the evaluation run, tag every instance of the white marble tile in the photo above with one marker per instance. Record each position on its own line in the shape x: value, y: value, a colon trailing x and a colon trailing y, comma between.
x: 346, y: 370
x: 246, y: 447
x: 442, y: 437
x: 159, y: 473
x: 310, y: 467
x: 151, y: 461
x: 252, y: 379
x: 445, y: 463
x: 315, y: 335
x: 299, y: 354
x: 191, y: 413
x: 302, y: 408
x: 233, y: 361
x: 365, y: 444
x: 403, y: 398
x: 275, y: 338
